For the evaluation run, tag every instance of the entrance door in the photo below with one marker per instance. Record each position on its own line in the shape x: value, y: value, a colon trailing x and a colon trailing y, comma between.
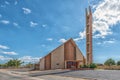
x: 71, y: 64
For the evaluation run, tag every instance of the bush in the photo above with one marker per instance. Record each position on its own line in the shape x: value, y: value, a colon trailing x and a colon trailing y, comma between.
x: 84, y: 66
x: 93, y: 65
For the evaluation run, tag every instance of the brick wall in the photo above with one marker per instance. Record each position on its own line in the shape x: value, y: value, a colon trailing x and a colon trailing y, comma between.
x: 57, y: 58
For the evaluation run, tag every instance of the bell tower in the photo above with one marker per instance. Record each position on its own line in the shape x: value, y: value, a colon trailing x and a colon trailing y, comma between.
x: 89, y: 36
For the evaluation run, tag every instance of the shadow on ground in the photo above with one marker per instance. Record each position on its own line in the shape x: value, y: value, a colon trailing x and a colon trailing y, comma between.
x: 50, y: 73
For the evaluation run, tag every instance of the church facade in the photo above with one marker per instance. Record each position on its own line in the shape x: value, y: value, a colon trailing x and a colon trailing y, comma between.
x: 68, y: 55
x: 65, y: 56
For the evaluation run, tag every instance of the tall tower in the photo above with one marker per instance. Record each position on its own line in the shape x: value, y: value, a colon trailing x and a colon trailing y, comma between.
x: 89, y: 35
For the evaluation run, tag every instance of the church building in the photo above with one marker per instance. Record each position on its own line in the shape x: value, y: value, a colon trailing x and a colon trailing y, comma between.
x: 68, y: 55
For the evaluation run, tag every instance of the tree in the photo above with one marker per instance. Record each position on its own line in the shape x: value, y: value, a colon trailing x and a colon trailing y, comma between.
x: 14, y: 63
x: 118, y: 62
x: 109, y: 62
x: 29, y: 65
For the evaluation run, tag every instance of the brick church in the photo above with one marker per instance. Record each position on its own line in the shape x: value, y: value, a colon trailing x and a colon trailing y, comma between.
x: 68, y: 55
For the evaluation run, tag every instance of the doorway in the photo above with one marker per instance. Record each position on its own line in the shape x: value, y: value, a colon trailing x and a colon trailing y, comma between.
x: 71, y: 64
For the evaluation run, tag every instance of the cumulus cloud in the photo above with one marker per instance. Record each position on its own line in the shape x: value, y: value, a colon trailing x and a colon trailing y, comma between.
x: 6, y: 2
x: 3, y: 6
x: 15, y: 24
x: 31, y: 59
x: 62, y: 40
x: 4, y: 58
x: 4, y: 47
x: 4, y: 21
x: 0, y: 15
x: 49, y: 39
x: 111, y: 41
x: 33, y: 24
x: 81, y: 36
x: 26, y: 59
x: 9, y: 53
x: 26, y: 10
x: 43, y: 45
x: 16, y: 3
x: 44, y: 25
x: 106, y: 14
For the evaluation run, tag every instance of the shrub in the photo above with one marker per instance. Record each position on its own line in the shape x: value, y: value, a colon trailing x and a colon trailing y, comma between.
x: 93, y: 65
x: 84, y: 66
x: 118, y: 63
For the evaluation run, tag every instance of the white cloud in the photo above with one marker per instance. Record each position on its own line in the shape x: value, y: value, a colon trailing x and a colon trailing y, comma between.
x: 43, y: 45
x: 111, y: 41
x: 4, y: 58
x: 28, y: 59
x: 62, y: 40
x: 4, y: 47
x: 9, y: 53
x: 81, y: 36
x: 26, y: 10
x: 3, y: 6
x: 16, y: 3
x: 49, y: 39
x: 4, y: 21
x: 98, y: 43
x: 15, y: 24
x: 0, y: 15
x: 44, y: 25
x: 6, y: 2
x: 106, y: 14
x: 25, y: 59
x: 33, y: 24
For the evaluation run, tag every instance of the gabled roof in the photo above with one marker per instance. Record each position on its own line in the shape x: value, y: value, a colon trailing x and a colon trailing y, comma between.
x: 69, y: 40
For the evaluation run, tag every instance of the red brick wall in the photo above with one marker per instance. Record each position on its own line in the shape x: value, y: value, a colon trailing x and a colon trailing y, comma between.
x: 69, y: 51
x: 48, y: 62
x: 89, y: 35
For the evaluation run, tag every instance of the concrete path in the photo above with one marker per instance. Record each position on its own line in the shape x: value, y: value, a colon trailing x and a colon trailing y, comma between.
x: 18, y: 75
x: 60, y: 75
x: 85, y: 74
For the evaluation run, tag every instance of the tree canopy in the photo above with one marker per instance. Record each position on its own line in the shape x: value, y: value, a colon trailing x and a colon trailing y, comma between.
x: 118, y: 62
x: 109, y: 62
x: 14, y: 63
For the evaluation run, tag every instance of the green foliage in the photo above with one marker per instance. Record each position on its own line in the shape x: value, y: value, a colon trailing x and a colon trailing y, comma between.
x: 93, y: 65
x: 109, y: 62
x: 3, y: 65
x: 14, y: 63
x: 29, y: 65
x: 118, y: 62
x: 84, y: 66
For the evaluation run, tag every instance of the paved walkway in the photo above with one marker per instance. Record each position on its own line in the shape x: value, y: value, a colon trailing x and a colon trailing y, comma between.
x: 62, y: 75
x: 28, y: 75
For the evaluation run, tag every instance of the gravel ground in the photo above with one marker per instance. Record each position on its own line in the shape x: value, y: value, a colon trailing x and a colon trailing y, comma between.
x: 85, y: 74
x: 53, y: 77
x: 94, y: 74
x: 25, y: 75
x: 62, y: 75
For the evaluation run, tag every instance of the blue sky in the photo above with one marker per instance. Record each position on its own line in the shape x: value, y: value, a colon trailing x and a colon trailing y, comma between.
x: 29, y: 29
